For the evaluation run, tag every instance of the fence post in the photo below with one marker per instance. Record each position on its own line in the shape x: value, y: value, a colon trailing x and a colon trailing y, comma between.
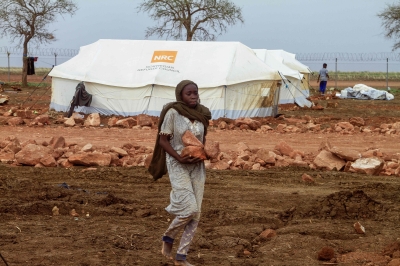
x: 8, y: 59
x: 336, y: 74
x: 387, y: 73
x: 55, y: 59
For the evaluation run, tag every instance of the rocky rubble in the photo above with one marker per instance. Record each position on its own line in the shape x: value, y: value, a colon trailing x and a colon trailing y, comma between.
x: 57, y: 152
x: 282, y: 124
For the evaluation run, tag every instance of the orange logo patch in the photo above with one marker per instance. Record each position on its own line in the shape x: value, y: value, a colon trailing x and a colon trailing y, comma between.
x: 164, y: 56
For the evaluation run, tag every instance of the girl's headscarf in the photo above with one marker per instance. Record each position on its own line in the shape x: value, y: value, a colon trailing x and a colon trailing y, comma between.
x: 158, y: 166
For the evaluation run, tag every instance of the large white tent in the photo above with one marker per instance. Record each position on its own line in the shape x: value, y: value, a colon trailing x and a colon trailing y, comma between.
x: 130, y: 77
x: 292, y: 89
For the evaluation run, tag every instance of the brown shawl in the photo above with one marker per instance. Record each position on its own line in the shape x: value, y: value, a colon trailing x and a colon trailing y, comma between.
x: 158, y: 166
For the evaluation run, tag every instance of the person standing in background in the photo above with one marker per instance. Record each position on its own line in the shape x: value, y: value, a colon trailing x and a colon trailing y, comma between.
x: 323, y: 79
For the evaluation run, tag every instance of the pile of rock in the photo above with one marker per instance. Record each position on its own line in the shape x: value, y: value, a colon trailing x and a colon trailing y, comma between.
x: 355, y: 125
x: 370, y: 162
x: 57, y: 152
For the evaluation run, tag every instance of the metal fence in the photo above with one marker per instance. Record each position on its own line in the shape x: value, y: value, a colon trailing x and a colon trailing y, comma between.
x: 384, y: 62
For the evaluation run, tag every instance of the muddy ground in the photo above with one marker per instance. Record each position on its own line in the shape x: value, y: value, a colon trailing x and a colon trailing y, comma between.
x: 121, y: 210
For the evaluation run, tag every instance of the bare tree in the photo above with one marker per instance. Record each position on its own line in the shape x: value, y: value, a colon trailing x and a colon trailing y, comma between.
x: 194, y: 19
x: 391, y: 22
x: 27, y: 20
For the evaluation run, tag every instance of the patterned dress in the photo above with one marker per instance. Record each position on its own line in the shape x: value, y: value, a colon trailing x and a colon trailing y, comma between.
x: 187, y: 180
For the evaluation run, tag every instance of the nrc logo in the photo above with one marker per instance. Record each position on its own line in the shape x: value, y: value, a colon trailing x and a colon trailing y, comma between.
x: 164, y: 56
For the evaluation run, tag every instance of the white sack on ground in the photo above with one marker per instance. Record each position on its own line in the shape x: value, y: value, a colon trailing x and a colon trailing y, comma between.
x: 364, y: 92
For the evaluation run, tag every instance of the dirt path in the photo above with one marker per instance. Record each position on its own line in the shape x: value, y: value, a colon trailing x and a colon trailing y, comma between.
x: 121, y: 210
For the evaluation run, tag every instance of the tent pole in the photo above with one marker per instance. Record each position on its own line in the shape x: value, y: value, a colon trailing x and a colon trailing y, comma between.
x: 148, y: 104
x: 8, y: 57
x: 225, y: 101
x: 387, y: 73
x: 336, y: 75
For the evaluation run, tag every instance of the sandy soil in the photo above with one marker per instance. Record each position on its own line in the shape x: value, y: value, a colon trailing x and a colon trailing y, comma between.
x: 125, y: 207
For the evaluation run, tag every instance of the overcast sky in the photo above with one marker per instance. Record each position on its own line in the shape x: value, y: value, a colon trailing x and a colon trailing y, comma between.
x: 307, y: 26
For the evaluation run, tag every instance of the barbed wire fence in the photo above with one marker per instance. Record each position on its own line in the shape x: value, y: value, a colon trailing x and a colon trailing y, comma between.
x: 384, y: 62
x: 390, y: 61
x: 47, y: 57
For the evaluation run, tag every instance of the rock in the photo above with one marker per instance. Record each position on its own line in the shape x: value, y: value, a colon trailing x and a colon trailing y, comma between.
x: 359, y: 228
x: 12, y: 145
x: 212, y: 149
x: 48, y: 161
x: 31, y: 154
x: 241, y: 147
x: 256, y: 166
x: 326, y: 254
x: 4, y: 120
x: 70, y: 122
x: 24, y: 114
x: 57, y: 153
x: 313, y: 127
x: 73, y: 213
x: 55, y: 211
x: 222, y: 125
x: 396, y: 125
x: 121, y: 152
x: 371, y: 153
x: 194, y: 151
x: 280, y: 128
x: 329, y: 161
x: 90, y: 159
x: 43, y: 119
x: 346, y: 126
x: 284, y: 148
x: 64, y: 163
x: 78, y: 118
x: 268, y: 233
x: 221, y: 165
x: 189, y: 139
x: 147, y: 161
x: 244, y: 156
x: 57, y: 142
x: 7, y: 156
x: 144, y: 120
x: 246, y: 252
x: 357, y: 121
x: 306, y: 178
x: 15, y: 121
x: 369, y: 166
x: 346, y: 154
x: 265, y: 128
x: 126, y: 123
x: 250, y: 123
x: 394, y: 262
x: 93, y: 120
x: 112, y: 121
x: 87, y: 148
x: 268, y: 157
x: 347, y: 166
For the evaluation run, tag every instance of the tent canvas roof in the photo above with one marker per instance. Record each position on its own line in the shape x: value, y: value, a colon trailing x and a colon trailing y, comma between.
x: 275, y: 61
x: 137, y: 63
x: 290, y: 60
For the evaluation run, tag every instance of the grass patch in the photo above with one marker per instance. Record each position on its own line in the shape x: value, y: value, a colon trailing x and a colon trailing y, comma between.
x: 362, y: 75
x: 18, y: 71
